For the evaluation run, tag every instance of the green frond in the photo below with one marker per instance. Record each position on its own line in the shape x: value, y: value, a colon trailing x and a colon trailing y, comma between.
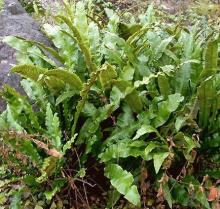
x: 84, y: 48
x: 53, y: 127
x: 29, y: 71
x: 67, y: 77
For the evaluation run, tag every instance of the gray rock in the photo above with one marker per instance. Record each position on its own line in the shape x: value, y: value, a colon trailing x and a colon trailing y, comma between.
x: 15, y: 21
x: 14, y: 8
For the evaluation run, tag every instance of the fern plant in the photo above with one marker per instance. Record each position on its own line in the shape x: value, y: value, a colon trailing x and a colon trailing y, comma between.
x: 139, y: 100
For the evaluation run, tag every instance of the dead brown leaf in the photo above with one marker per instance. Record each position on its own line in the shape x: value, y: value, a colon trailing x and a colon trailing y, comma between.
x: 213, y: 194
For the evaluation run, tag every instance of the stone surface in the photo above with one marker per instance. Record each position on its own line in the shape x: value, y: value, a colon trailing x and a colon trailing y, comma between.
x: 14, y: 21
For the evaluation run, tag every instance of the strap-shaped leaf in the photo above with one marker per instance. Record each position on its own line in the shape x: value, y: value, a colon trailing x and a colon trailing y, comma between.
x: 67, y: 77
x: 28, y: 52
x: 123, y: 150
x: 66, y: 47
x: 165, y: 108
x: 107, y: 74
x: 127, y: 73
x: 211, y: 59
x: 159, y: 158
x: 206, y: 97
x: 80, y: 21
x: 145, y: 129
x: 163, y: 83
x: 65, y: 95
x: 162, y: 47
x: 131, y: 94
x: 77, y: 36
x: 125, y: 30
x: 139, y: 33
x: 29, y: 71
x: 42, y: 46
x: 167, y: 194
x: 16, y: 199
x: 53, y: 83
x: 122, y: 181
x: 95, y: 40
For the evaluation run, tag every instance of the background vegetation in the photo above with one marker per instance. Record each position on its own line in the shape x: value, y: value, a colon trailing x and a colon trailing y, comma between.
x: 1, y: 4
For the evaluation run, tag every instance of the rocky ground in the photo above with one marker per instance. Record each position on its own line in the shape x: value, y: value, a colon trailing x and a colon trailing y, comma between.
x: 170, y: 6
x: 14, y: 21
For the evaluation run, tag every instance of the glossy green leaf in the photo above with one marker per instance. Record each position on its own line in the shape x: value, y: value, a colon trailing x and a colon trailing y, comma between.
x: 107, y: 75
x: 77, y: 36
x: 122, y: 181
x: 165, y: 108
x: 162, y: 46
x: 163, y: 83
x: 179, y: 123
x: 80, y: 21
x: 29, y: 71
x: 64, y: 96
x: 123, y: 150
x: 159, y: 158
x: 145, y: 129
x: 211, y: 59
x: 27, y: 53
x: 128, y: 73
x: 42, y: 46
x: 131, y: 95
x: 206, y: 97
x: 65, y: 45
x: 167, y: 194
x: 150, y: 147
x: 67, y: 77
